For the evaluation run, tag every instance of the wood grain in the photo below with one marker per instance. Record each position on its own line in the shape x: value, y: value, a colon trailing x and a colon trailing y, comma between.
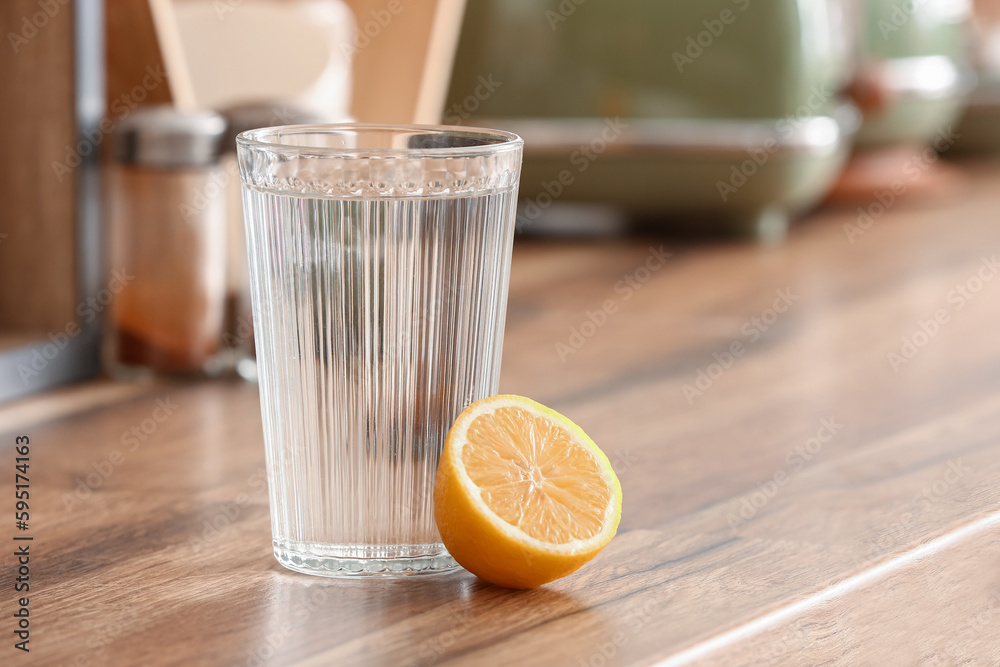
x: 133, y: 53
x: 38, y: 222
x: 875, y: 613
x: 874, y: 508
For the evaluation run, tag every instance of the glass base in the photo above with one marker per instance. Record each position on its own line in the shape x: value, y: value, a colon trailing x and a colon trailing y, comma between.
x: 348, y: 561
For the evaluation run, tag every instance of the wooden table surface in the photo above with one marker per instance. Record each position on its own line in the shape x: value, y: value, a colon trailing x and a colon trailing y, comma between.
x: 793, y: 492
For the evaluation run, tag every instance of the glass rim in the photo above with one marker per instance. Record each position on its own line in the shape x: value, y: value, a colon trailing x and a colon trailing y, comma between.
x: 494, y: 141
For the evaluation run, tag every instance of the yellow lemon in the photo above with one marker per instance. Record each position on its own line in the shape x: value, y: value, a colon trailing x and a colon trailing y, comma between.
x: 522, y: 495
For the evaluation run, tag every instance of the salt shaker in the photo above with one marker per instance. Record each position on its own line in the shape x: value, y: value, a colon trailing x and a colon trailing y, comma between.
x: 167, y: 219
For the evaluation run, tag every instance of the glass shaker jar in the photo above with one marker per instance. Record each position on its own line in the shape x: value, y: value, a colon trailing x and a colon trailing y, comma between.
x: 167, y: 215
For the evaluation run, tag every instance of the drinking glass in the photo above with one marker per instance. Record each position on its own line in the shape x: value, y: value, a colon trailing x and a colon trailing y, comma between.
x: 379, y: 263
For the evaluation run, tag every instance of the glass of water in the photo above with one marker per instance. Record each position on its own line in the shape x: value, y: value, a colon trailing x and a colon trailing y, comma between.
x: 379, y: 263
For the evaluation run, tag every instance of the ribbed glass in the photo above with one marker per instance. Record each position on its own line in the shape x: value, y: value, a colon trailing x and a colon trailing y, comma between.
x: 379, y: 263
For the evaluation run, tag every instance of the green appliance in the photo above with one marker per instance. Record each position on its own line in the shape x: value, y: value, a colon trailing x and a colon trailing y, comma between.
x: 716, y: 114
x: 918, y: 54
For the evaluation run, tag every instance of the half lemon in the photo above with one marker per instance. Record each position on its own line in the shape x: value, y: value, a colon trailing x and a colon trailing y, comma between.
x: 523, y: 496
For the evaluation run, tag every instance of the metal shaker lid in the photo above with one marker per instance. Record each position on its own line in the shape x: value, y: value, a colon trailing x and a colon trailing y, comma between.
x: 162, y: 136
x: 245, y: 117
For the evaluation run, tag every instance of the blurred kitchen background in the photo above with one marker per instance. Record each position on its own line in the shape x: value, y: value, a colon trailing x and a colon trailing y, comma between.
x: 121, y: 244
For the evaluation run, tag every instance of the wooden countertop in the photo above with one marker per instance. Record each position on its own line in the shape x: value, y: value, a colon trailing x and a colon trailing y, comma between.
x: 807, y: 500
